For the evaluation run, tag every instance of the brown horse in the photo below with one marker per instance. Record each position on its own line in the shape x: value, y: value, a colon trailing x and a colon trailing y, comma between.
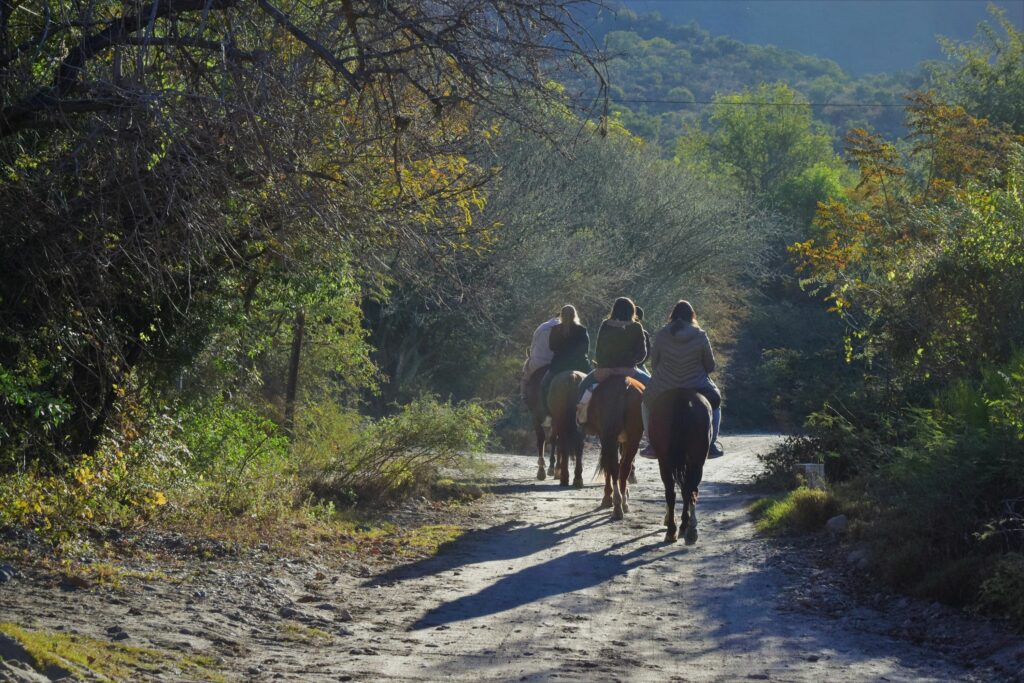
x: 562, y: 397
x: 538, y: 413
x: 680, y: 432
x: 615, y: 416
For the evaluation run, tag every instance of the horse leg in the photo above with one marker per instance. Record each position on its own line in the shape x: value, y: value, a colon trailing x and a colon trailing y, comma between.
x: 606, y: 502
x: 577, y: 480
x: 632, y: 474
x: 690, y: 500
x: 694, y: 473
x: 563, y: 460
x: 617, y: 499
x: 628, y: 451
x: 670, y: 500
x: 552, y: 468
x: 538, y: 430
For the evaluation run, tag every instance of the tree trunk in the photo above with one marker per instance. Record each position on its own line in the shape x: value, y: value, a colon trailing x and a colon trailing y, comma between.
x: 293, y: 373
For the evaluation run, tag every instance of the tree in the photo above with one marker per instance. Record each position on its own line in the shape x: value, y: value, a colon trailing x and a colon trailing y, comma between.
x: 921, y: 269
x: 154, y: 154
x: 988, y: 75
x: 584, y: 219
x: 762, y: 139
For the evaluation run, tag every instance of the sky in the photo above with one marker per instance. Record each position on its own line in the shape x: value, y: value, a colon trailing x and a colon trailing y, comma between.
x: 863, y: 36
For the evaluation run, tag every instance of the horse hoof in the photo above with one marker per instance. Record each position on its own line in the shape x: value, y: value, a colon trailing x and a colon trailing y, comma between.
x: 564, y: 482
x: 632, y: 478
x: 617, y: 513
x: 577, y: 481
x: 551, y: 472
x: 671, y: 537
x: 625, y: 506
x: 691, y: 535
x: 540, y: 474
x: 606, y: 502
x: 667, y: 522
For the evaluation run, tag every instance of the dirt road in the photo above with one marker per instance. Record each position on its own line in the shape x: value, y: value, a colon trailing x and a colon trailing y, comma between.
x: 560, y: 591
x: 545, y: 587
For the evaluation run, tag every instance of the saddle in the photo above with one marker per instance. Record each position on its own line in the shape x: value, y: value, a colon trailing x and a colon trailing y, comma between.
x: 602, y: 374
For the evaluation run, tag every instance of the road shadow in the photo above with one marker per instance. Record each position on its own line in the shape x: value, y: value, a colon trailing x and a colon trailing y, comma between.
x: 507, y: 488
x: 564, y: 574
x: 506, y: 541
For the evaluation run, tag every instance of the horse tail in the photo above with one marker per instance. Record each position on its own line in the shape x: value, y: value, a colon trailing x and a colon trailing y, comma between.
x: 677, y: 439
x: 613, y: 413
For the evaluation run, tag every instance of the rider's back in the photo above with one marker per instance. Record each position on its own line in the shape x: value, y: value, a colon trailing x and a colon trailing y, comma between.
x: 620, y: 344
x: 681, y: 357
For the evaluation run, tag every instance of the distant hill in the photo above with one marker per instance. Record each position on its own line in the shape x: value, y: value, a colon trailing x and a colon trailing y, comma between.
x: 865, y: 36
x: 658, y: 68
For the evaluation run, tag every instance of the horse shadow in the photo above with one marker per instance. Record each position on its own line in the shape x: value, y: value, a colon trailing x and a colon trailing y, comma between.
x: 506, y: 541
x: 565, y: 574
x: 512, y: 488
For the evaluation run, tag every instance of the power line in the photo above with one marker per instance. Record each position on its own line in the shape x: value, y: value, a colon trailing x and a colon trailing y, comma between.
x: 760, y: 103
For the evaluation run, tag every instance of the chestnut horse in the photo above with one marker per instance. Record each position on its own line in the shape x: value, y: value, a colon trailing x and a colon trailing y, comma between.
x: 538, y: 413
x: 568, y: 439
x: 615, y: 416
x: 680, y: 433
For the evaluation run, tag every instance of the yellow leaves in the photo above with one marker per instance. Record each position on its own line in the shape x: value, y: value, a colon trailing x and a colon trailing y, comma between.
x: 84, y: 475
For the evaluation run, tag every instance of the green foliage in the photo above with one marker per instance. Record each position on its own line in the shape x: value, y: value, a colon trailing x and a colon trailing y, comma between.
x: 652, y: 61
x: 124, y: 481
x: 775, y: 153
x: 798, y: 196
x: 936, y: 492
x: 173, y: 228
x: 585, y: 220
x: 238, y: 461
x: 1002, y: 593
x: 988, y: 73
x: 767, y: 150
x: 778, y: 465
x: 802, y: 510
x: 25, y: 407
x: 923, y: 262
x: 399, y: 454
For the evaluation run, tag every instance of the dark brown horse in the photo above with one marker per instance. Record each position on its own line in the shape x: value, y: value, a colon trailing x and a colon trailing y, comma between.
x: 680, y: 433
x: 538, y: 413
x: 562, y: 397
x: 615, y: 417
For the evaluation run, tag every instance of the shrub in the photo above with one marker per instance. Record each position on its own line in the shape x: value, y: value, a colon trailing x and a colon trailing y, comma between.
x: 406, y: 451
x: 778, y: 464
x: 801, y: 510
x: 1002, y: 592
x: 123, y: 481
x: 237, y: 460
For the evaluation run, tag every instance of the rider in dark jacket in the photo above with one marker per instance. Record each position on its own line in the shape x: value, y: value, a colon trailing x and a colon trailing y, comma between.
x: 570, y: 343
x: 621, y: 344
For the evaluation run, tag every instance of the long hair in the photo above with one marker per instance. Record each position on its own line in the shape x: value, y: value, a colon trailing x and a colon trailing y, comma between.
x: 569, y: 315
x: 682, y: 313
x: 623, y: 309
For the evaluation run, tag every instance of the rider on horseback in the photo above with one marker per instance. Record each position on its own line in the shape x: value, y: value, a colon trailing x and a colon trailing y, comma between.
x: 621, y: 347
x: 569, y: 342
x: 540, y: 353
x: 681, y: 358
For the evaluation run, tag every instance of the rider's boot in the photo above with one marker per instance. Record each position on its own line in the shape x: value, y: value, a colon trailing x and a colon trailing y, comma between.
x: 647, y: 451
x: 716, y: 423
